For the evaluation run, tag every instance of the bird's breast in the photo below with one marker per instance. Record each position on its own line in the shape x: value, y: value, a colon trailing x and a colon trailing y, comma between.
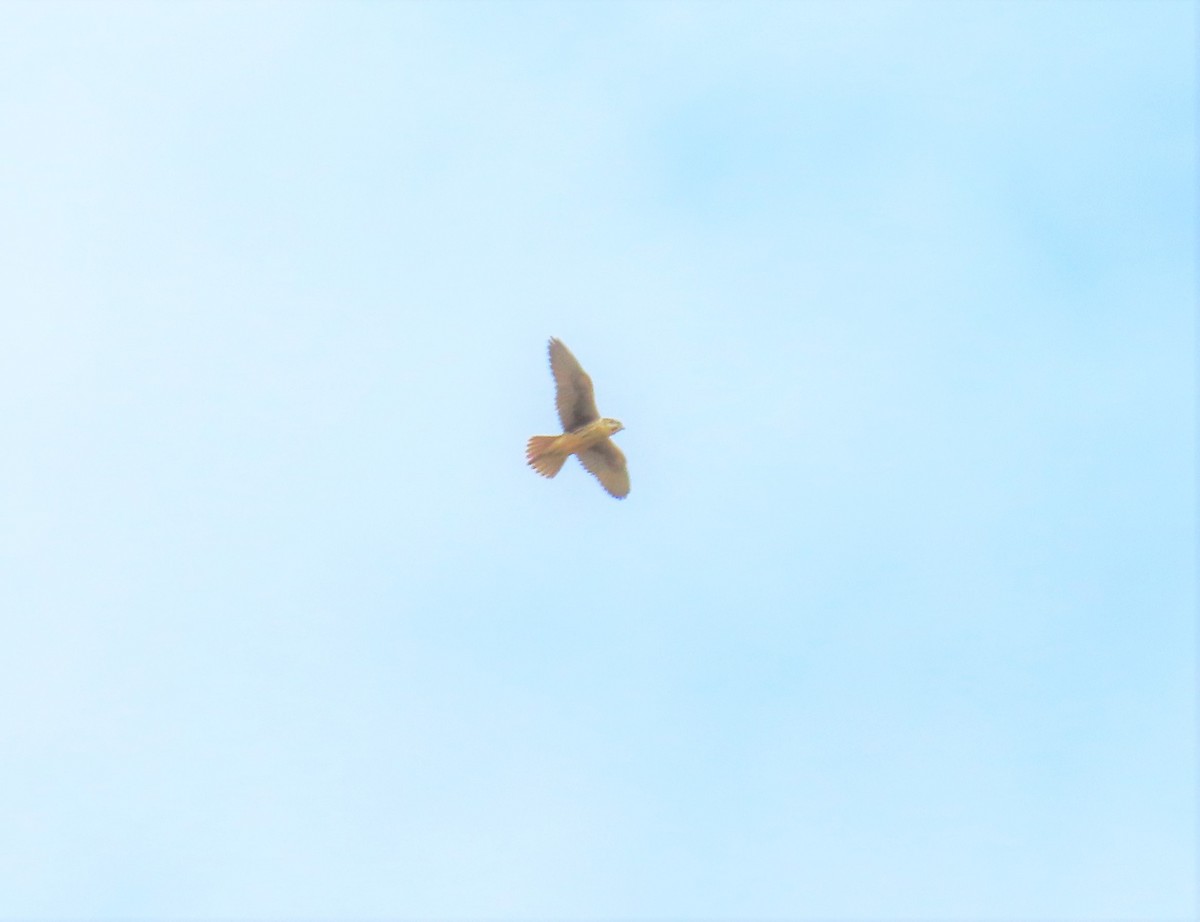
x: 582, y: 438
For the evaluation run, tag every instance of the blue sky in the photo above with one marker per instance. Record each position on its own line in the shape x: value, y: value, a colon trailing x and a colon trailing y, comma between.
x: 896, y: 302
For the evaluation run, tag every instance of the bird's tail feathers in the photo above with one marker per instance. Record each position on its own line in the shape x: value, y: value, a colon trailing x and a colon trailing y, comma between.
x: 539, y: 456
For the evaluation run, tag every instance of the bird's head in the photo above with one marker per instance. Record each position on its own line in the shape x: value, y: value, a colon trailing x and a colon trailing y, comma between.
x: 612, y: 425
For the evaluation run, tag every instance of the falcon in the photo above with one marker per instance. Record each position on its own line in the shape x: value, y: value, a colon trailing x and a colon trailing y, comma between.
x: 585, y: 433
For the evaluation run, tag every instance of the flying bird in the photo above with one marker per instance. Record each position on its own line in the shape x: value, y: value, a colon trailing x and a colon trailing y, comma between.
x: 585, y: 433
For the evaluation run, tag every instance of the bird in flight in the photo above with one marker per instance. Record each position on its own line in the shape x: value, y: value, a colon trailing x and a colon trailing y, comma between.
x: 585, y: 433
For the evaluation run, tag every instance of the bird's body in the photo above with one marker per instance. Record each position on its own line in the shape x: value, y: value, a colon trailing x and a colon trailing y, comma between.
x: 585, y: 435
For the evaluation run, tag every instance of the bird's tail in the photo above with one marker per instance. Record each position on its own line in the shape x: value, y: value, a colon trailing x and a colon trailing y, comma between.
x: 541, y: 458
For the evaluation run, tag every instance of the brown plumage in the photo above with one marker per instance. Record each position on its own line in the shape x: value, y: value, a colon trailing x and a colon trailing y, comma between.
x: 585, y: 434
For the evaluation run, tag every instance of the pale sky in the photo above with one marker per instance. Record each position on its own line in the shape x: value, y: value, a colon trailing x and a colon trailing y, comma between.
x: 897, y: 304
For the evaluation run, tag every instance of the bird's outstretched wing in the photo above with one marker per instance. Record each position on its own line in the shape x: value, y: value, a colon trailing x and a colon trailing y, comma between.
x: 574, y: 397
x: 607, y: 463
